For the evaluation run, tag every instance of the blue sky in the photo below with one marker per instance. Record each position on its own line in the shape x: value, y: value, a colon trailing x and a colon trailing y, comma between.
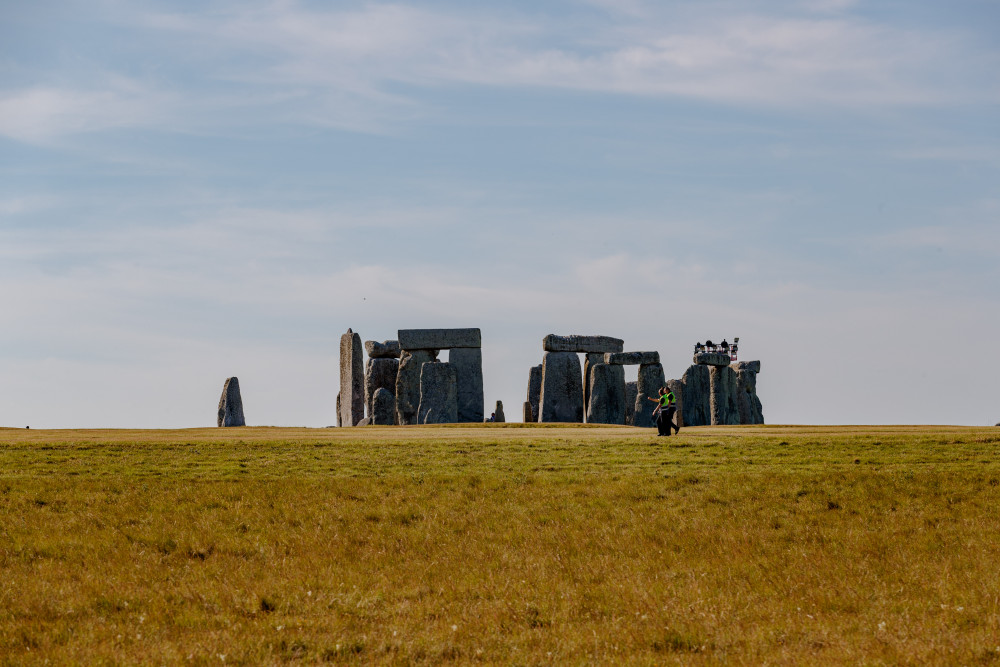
x: 191, y: 191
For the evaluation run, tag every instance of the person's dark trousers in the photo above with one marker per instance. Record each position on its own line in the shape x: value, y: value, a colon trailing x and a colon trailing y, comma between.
x: 668, y: 421
x: 662, y: 423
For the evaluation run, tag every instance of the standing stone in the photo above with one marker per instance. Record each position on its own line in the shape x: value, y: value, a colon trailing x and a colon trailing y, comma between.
x: 380, y: 373
x: 388, y: 349
x: 339, y: 423
x: 631, y: 391
x: 649, y: 383
x: 383, y: 407
x: 535, y: 390
x: 438, y: 394
x: 498, y: 413
x: 590, y: 360
x: 468, y: 365
x: 528, y: 416
x: 751, y: 411
x: 561, y: 398
x: 677, y: 387
x: 725, y: 411
x: 607, y: 395
x: 697, y: 396
x: 408, y: 384
x: 352, y: 379
x: 231, y: 404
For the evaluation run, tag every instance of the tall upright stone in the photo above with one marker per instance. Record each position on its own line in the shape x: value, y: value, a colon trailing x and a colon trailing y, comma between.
x: 590, y: 360
x: 528, y: 416
x: 677, y: 387
x: 498, y: 415
x: 468, y: 365
x: 352, y: 379
x: 725, y: 410
x: 339, y: 421
x: 408, y: 384
x: 231, y: 404
x: 607, y: 394
x: 438, y: 394
x: 380, y: 373
x: 535, y: 390
x: 561, y: 398
x: 697, y: 396
x: 650, y: 380
x: 383, y: 407
x: 631, y: 391
x: 751, y: 411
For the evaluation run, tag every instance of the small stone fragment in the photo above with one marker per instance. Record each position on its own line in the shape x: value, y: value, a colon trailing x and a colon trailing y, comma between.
x: 498, y: 413
x: 388, y: 349
x: 528, y: 416
x: 231, y: 404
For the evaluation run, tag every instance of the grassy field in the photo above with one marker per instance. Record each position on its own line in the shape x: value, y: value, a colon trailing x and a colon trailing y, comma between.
x: 501, y: 544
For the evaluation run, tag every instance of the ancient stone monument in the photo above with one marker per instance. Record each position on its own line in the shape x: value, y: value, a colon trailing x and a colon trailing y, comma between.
x: 561, y: 398
x: 713, y: 391
x: 383, y: 407
x: 498, y: 415
x: 438, y: 394
x: 631, y: 391
x: 231, y: 404
x: 380, y: 370
x: 352, y: 390
x: 421, y: 346
x: 606, y: 398
x: 648, y: 386
x: 534, y: 390
x: 528, y: 415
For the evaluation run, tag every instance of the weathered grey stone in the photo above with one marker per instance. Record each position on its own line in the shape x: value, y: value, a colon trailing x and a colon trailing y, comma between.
x: 468, y: 365
x: 602, y: 344
x: 677, y: 387
x: 498, y: 413
x: 631, y: 358
x: 439, y: 339
x: 607, y: 395
x: 231, y: 404
x: 697, y: 410
x: 631, y: 391
x: 408, y: 384
x: 380, y: 373
x: 725, y: 410
x: 528, y: 416
x: 650, y: 380
x: 383, y: 407
x: 352, y: 379
x: 438, y: 394
x: 589, y: 361
x: 750, y: 409
x: 388, y: 349
x: 712, y: 359
x: 535, y: 390
x: 367, y: 421
x: 561, y: 398
x: 339, y: 423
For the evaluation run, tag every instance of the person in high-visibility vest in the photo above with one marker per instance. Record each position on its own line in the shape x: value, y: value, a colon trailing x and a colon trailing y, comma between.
x: 667, y: 406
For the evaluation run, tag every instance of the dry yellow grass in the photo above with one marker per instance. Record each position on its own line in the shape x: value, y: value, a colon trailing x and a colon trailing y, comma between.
x: 501, y: 544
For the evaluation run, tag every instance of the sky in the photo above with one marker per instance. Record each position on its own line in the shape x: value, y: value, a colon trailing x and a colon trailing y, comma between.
x: 195, y: 190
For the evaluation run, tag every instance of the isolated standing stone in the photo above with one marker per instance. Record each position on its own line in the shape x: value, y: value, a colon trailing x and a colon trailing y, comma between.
x: 631, y: 390
x: 751, y: 411
x: 231, y: 404
x: 388, y: 349
x: 602, y: 344
x: 498, y: 415
x: 649, y: 383
x: 468, y: 365
x: 352, y: 379
x: 677, y: 387
x: 607, y: 395
x: 697, y: 396
x: 439, y: 339
x: 561, y: 398
x: 438, y: 394
x: 380, y: 373
x: 383, y: 407
x: 339, y: 423
x: 725, y: 411
x: 535, y: 390
x: 408, y: 384
x: 528, y: 416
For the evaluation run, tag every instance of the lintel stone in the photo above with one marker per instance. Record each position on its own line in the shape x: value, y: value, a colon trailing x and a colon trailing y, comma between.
x: 631, y: 358
x: 388, y: 349
x: 717, y: 359
x: 585, y: 344
x: 439, y: 339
